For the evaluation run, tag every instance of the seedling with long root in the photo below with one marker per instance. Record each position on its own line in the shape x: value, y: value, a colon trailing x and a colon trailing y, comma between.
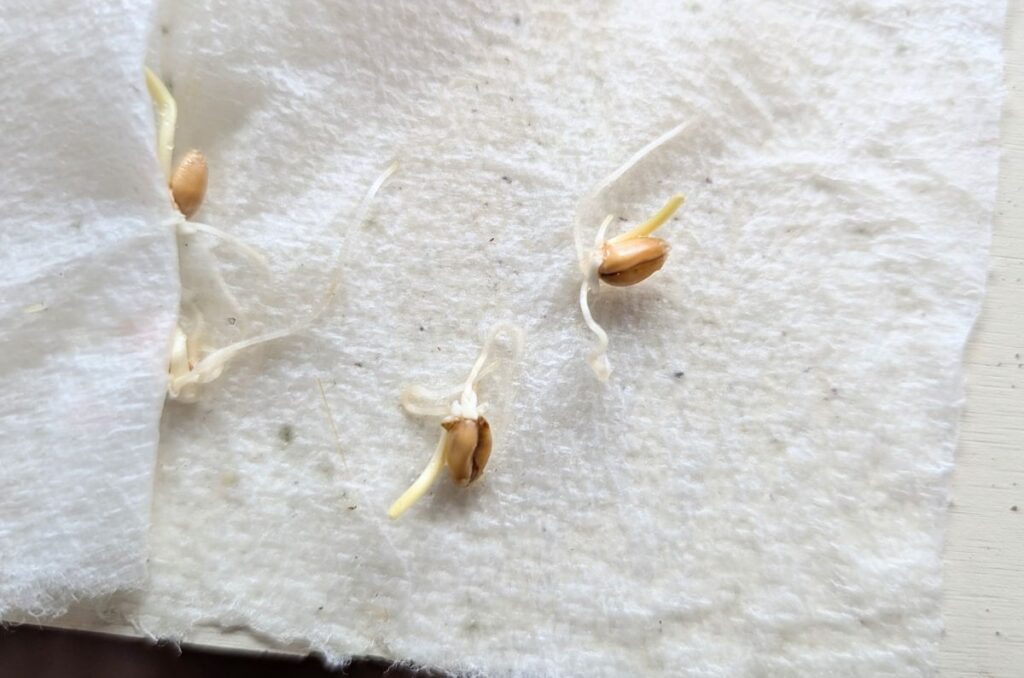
x: 625, y: 259
x: 192, y: 362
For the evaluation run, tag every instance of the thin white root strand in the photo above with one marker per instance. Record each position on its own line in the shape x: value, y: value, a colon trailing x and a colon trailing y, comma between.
x: 211, y: 367
x: 637, y: 157
x: 224, y: 290
x: 482, y: 367
x: 598, y: 358
x: 330, y: 420
x: 190, y: 227
x: 599, y: 237
x: 361, y: 213
x: 423, y: 483
x: 167, y: 119
x: 426, y: 402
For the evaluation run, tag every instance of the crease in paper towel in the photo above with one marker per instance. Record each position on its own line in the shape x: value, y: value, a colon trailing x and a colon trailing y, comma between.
x: 761, y: 487
x: 84, y: 240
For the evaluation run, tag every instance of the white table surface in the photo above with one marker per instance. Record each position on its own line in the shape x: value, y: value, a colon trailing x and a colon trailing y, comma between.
x: 984, y: 556
x: 983, y: 603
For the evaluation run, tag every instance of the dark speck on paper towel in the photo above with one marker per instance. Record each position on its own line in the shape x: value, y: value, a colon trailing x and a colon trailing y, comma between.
x: 286, y: 433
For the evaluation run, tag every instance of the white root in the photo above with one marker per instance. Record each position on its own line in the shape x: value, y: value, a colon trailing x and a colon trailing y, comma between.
x: 598, y: 358
x: 186, y: 370
x: 639, y: 156
x: 187, y: 228
x: 184, y: 386
x: 330, y: 420
x: 360, y: 217
x: 439, y: 402
x: 212, y: 366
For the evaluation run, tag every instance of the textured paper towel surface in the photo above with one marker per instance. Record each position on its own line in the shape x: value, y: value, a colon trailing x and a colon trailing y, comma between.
x: 759, y: 490
x: 88, y: 297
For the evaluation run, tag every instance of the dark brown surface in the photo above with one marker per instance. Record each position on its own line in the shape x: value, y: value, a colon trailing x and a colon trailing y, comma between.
x: 32, y: 652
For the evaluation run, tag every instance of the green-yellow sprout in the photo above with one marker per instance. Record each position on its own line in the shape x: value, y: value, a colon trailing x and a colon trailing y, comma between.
x: 655, y: 222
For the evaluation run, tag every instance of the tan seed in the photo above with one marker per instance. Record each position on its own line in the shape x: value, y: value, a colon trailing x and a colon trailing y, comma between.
x: 467, y: 448
x: 630, y: 261
x: 188, y: 183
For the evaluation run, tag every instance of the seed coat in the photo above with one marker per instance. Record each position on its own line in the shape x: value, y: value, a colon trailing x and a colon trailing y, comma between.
x: 628, y: 262
x: 467, y: 448
x: 188, y: 183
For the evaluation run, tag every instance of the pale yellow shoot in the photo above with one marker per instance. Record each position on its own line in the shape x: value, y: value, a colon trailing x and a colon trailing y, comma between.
x: 167, y: 119
x: 423, y: 483
x: 655, y: 222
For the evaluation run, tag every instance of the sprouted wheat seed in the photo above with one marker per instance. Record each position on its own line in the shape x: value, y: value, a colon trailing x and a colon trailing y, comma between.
x: 191, y: 363
x: 464, y: 446
x: 625, y: 259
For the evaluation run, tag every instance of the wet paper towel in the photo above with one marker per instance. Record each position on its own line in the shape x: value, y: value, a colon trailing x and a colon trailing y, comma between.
x: 88, y: 297
x: 760, y: 489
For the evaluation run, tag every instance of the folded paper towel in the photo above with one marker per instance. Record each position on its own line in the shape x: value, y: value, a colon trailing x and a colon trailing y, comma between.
x: 88, y: 297
x: 759, y: 489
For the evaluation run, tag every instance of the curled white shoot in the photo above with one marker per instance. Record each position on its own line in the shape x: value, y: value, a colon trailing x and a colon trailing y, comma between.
x: 590, y: 256
x: 424, y: 401
x: 167, y: 119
